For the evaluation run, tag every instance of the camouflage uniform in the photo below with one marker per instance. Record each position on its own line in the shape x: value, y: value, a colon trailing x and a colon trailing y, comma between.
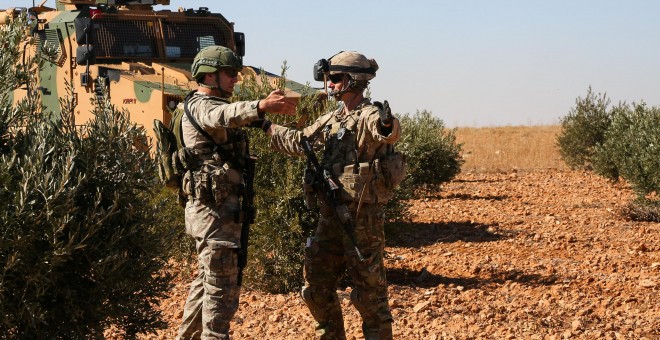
x: 350, y: 139
x: 212, y: 213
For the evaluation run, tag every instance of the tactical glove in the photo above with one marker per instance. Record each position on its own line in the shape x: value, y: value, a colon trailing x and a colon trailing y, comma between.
x: 385, y: 112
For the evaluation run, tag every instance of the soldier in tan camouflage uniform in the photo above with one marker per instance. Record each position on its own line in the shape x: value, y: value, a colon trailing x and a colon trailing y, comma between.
x: 357, y: 137
x: 213, y: 186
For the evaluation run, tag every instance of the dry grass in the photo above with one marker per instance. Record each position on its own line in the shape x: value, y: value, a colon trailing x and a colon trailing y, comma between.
x: 509, y: 148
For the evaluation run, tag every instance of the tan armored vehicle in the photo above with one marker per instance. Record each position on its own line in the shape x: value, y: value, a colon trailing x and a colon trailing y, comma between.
x: 140, y: 55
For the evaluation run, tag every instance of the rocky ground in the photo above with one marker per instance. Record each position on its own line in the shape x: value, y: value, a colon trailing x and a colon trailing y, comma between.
x: 522, y: 255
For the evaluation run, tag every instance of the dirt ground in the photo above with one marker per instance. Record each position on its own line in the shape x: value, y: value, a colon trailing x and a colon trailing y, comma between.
x: 521, y: 255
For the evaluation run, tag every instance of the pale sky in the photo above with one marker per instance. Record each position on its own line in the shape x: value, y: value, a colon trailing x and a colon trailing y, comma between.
x: 470, y: 62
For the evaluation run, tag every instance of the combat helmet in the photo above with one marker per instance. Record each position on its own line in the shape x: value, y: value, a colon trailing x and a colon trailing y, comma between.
x: 213, y: 58
x: 354, y: 64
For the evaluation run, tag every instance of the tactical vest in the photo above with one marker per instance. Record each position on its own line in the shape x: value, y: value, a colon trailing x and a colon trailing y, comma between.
x: 369, y: 181
x: 215, y: 173
x: 212, y: 173
x: 340, y: 145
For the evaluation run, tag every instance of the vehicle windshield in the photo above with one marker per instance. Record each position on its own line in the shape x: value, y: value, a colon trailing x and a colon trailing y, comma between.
x: 150, y: 37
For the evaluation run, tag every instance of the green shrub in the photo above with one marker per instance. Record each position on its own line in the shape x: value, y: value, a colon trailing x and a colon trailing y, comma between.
x: 604, y: 160
x: 432, y: 157
x: 80, y: 248
x: 182, y: 247
x: 431, y: 151
x: 623, y: 142
x: 632, y: 144
x: 583, y: 129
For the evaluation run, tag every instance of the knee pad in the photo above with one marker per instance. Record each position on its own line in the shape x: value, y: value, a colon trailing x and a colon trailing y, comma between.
x: 322, y: 308
x: 315, y: 308
x: 306, y: 294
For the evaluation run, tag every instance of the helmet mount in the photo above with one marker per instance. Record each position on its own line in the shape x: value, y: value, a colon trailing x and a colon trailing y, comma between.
x: 359, y: 68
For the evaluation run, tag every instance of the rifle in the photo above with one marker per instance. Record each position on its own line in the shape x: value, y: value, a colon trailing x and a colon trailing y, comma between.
x: 249, y: 212
x: 326, y: 189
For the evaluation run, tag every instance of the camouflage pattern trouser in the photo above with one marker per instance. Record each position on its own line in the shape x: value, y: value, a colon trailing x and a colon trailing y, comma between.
x: 213, y: 297
x: 328, y: 254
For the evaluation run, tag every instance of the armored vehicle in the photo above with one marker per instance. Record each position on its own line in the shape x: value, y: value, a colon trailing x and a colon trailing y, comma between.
x: 140, y: 55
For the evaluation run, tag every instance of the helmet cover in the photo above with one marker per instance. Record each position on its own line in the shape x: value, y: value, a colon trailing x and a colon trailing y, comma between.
x: 354, y: 64
x: 213, y: 58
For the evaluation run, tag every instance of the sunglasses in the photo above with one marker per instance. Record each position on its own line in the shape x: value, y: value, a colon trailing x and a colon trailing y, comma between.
x: 336, y: 78
x: 231, y: 73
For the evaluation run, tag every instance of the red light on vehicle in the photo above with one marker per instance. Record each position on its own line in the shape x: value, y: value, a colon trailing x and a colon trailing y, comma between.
x: 94, y: 12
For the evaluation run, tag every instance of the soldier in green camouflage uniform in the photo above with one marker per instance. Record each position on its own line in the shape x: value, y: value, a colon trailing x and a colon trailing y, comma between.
x: 213, y: 186
x: 356, y: 137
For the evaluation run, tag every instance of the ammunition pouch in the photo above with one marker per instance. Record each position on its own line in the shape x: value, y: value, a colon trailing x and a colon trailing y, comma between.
x: 212, y: 185
x: 390, y: 172
x: 392, y: 167
x: 385, y: 175
x: 353, y: 179
x: 184, y: 159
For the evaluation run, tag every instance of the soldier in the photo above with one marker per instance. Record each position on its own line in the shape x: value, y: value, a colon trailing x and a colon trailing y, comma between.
x: 216, y: 145
x: 358, y: 139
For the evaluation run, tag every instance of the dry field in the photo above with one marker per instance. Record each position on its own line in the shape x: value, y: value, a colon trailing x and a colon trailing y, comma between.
x: 509, y: 148
x: 516, y: 247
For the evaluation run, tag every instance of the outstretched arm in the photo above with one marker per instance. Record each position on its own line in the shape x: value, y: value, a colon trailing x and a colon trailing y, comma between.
x: 277, y: 103
x: 287, y: 140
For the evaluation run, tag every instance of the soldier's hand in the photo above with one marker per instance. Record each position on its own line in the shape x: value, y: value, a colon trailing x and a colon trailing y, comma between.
x: 276, y: 102
x: 385, y: 113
